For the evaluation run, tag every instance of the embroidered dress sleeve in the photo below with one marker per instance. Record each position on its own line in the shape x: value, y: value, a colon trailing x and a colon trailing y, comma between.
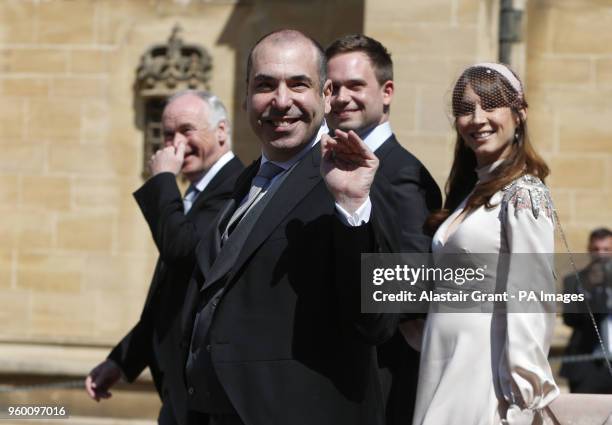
x: 526, y: 379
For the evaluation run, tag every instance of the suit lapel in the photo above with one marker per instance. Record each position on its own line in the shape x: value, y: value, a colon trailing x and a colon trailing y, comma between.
x: 386, y: 240
x: 293, y: 189
x: 386, y: 147
x: 209, y: 247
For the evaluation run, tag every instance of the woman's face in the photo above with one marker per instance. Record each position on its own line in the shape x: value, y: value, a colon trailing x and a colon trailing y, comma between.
x: 486, y: 129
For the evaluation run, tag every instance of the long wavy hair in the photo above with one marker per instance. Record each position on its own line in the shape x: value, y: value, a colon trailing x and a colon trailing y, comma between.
x: 523, y: 159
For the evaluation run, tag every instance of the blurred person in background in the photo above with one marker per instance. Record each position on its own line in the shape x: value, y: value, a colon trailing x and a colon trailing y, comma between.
x: 197, y: 144
x: 595, y: 282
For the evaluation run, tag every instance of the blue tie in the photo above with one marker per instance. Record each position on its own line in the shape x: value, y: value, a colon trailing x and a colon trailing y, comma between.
x: 189, y: 199
x: 259, y: 184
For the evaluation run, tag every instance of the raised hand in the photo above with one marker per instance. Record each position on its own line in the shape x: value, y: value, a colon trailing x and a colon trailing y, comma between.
x: 101, y: 379
x: 168, y: 159
x: 348, y: 167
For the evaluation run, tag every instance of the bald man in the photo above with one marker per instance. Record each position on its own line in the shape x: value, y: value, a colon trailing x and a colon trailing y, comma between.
x: 278, y: 336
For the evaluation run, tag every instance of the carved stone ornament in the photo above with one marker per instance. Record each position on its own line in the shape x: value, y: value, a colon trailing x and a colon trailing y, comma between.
x: 168, y: 68
x: 164, y: 70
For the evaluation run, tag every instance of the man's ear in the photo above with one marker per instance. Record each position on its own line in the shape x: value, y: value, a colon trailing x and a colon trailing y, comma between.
x: 327, y: 90
x: 387, y: 90
x: 221, y: 132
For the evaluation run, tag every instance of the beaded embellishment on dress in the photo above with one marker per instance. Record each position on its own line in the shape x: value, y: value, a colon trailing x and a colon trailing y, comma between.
x: 527, y: 193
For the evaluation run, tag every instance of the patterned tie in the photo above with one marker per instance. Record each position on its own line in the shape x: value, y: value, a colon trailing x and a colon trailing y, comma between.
x: 190, y: 196
x: 259, y: 184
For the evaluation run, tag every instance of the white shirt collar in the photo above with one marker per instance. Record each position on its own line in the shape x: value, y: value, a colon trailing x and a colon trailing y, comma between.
x: 377, y: 136
x: 288, y: 164
x: 212, y: 172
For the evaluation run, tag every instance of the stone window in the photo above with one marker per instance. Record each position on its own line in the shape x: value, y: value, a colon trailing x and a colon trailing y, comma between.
x: 164, y: 70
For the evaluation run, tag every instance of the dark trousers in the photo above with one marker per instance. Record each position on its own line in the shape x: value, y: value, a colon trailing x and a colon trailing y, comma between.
x: 166, y: 415
x: 595, y: 378
x: 225, y: 420
x: 197, y: 418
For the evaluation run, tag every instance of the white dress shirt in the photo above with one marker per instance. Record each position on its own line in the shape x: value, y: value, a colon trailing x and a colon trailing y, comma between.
x: 378, y: 135
x: 194, y: 190
x: 212, y: 172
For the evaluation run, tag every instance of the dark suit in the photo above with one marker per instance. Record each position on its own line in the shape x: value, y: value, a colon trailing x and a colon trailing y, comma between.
x: 403, y: 195
x: 154, y: 340
x: 287, y: 341
x: 587, y: 376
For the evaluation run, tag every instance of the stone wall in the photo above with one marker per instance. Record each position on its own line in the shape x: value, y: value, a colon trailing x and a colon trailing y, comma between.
x: 431, y: 43
x: 75, y: 250
x: 569, y: 84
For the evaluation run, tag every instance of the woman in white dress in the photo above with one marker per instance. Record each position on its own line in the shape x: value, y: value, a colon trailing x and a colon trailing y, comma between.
x: 491, y: 368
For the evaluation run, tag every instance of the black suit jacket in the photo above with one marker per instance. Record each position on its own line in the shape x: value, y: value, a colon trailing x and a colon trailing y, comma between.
x: 584, y: 338
x: 287, y: 341
x: 155, y: 338
x: 403, y: 195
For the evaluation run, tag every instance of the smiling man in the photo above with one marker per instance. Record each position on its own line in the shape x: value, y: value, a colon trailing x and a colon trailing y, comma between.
x: 361, y: 72
x: 403, y: 194
x: 277, y: 335
x: 197, y: 136
x: 287, y: 96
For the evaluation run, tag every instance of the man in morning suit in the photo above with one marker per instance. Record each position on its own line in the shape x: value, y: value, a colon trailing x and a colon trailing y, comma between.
x: 197, y: 138
x: 403, y: 193
x: 278, y: 336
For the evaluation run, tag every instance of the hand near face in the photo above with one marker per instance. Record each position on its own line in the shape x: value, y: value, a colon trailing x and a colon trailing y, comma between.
x: 348, y: 167
x: 101, y: 379
x: 168, y: 159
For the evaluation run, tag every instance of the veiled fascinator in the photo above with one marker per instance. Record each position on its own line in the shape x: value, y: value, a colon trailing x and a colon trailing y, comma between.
x: 493, y: 85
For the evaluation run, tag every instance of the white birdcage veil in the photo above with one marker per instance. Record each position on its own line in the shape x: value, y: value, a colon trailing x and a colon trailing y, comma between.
x: 492, y: 85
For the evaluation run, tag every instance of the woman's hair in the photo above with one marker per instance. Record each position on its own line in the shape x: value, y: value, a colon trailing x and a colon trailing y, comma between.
x: 495, y: 91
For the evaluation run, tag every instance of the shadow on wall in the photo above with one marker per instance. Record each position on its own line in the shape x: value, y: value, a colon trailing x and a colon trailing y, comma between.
x: 323, y: 20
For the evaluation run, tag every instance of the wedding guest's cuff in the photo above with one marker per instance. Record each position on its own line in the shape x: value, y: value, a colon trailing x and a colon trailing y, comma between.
x: 359, y: 217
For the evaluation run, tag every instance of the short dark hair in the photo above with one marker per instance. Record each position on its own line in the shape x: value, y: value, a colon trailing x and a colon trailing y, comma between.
x: 289, y: 34
x: 377, y: 53
x: 600, y: 233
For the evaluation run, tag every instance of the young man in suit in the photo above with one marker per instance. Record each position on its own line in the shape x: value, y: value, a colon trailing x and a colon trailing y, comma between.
x: 197, y: 137
x: 403, y: 194
x: 278, y: 336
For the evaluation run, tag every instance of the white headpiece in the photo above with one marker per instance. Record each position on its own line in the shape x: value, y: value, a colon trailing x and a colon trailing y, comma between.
x: 505, y: 72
